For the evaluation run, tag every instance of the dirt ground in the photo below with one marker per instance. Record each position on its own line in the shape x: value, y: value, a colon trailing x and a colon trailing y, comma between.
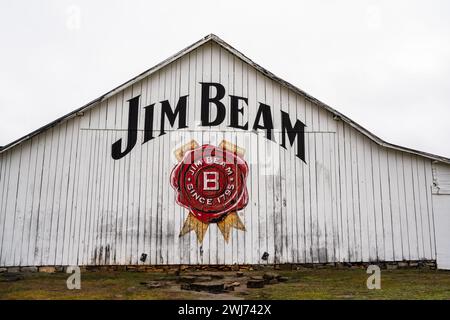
x: 304, y: 284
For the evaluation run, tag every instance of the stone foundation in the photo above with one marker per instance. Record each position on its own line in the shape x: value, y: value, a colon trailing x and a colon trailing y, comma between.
x: 388, y: 265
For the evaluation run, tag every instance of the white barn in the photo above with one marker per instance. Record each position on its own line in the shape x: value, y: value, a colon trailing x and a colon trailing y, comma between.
x: 109, y: 184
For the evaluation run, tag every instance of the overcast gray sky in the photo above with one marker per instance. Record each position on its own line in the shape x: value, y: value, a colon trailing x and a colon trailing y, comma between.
x: 384, y: 64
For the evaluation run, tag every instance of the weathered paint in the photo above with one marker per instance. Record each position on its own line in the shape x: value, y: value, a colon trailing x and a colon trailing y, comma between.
x: 441, y: 209
x: 441, y: 179
x: 64, y: 200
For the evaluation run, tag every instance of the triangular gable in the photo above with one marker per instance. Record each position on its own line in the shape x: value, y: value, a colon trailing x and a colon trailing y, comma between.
x: 245, y: 59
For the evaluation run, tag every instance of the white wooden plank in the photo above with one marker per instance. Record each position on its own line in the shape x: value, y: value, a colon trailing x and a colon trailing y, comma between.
x: 32, y: 247
x: 308, y: 186
x: 320, y: 187
x: 4, y: 176
x: 327, y: 187
x: 21, y: 198
x: 424, y: 194
x: 335, y: 230
x: 156, y: 204
x: 410, y: 208
x: 84, y: 190
x: 90, y: 251
x: 168, y: 232
x: 353, y: 237
x: 313, y: 160
x: 253, y: 253
x: 279, y: 184
x: 180, y: 86
x: 134, y: 192
x: 28, y: 210
x: 124, y: 184
x: 46, y: 197
x: 144, y: 212
x: 385, y: 187
x: 109, y: 215
x: 184, y: 137
x: 362, y: 199
x: 246, y: 144
x: 49, y: 195
x: 431, y: 221
x: 343, y: 174
x: 402, y: 206
x: 104, y: 158
x: 302, y: 193
x: 6, y: 159
x: 162, y: 209
x: 72, y: 245
x: 73, y: 132
x: 285, y: 216
x: 356, y: 255
x: 216, y: 241
x: 65, y: 145
x: 395, y: 205
x: 377, y: 203
x: 114, y: 115
x: 196, y: 249
x: 261, y: 175
x: 417, y: 206
x: 335, y: 195
x: 188, y: 87
x: 272, y: 168
x: 370, y: 206
x: 7, y: 253
x: 57, y: 215
x: 94, y: 249
x: 291, y: 233
x: 225, y: 63
x: 232, y: 75
x: 211, y: 234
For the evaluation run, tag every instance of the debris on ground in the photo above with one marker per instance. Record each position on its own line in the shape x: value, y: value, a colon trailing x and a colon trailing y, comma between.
x: 213, y: 275
x: 191, y: 279
x: 270, y: 276
x: 255, y: 283
x: 231, y: 286
x: 10, y: 277
x: 211, y: 286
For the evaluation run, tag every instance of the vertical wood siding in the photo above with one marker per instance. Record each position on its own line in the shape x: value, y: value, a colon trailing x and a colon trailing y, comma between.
x: 441, y: 179
x: 65, y: 201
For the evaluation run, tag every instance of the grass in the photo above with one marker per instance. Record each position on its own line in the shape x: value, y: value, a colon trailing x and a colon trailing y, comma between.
x: 305, y: 284
x: 351, y: 284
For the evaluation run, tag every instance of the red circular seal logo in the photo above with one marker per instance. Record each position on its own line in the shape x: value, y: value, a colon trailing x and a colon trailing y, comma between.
x: 210, y: 182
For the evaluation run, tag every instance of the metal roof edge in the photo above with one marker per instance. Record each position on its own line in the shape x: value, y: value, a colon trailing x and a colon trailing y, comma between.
x: 232, y: 50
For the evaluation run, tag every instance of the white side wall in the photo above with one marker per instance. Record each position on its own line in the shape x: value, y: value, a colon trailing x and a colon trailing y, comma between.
x: 64, y: 200
x: 441, y: 207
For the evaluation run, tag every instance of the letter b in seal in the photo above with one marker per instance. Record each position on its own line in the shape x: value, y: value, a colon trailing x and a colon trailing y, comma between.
x: 210, y: 180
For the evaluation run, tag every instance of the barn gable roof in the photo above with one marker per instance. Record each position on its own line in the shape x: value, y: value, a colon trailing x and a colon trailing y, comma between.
x: 226, y: 46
